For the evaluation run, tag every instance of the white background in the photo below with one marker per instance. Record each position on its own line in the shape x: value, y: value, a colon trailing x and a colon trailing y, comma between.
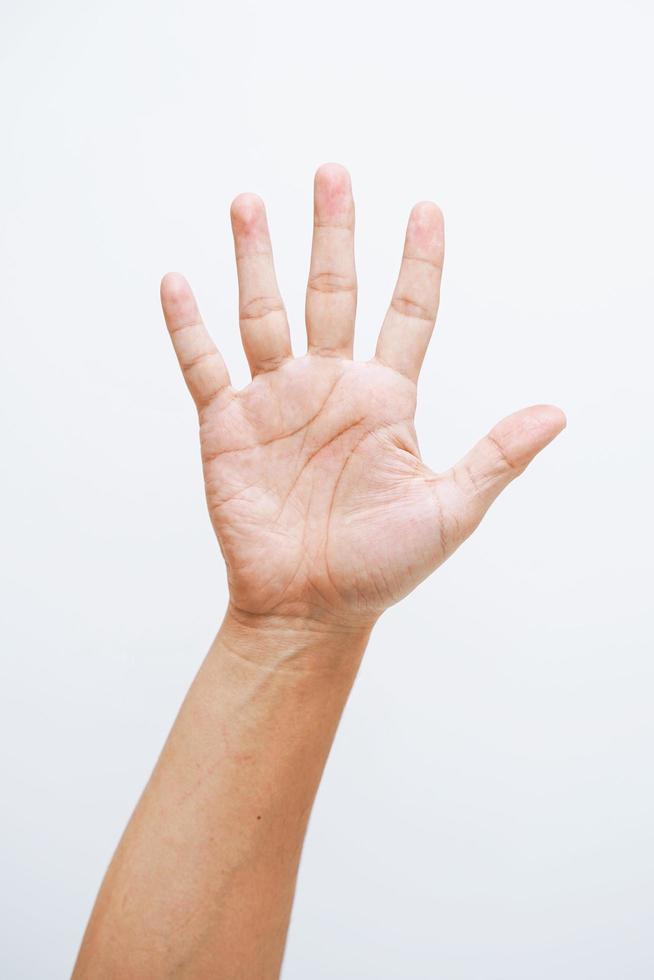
x: 488, y: 809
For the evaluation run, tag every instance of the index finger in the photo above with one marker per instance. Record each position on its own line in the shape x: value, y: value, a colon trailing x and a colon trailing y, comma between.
x: 409, y: 322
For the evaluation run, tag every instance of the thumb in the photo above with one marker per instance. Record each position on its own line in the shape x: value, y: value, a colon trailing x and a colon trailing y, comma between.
x: 496, y: 460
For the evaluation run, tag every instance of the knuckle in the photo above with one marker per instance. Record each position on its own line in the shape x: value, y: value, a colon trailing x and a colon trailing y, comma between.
x: 332, y: 282
x: 507, y: 458
x: 410, y: 308
x: 260, y: 307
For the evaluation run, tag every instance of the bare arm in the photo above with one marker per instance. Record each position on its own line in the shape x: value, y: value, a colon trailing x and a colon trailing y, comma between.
x: 326, y: 515
x: 203, y: 880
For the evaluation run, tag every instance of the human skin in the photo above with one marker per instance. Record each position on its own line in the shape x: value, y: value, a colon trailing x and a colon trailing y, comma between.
x: 325, y: 515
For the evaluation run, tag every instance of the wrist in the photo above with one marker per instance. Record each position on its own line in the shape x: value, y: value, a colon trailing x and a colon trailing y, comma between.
x: 293, y: 643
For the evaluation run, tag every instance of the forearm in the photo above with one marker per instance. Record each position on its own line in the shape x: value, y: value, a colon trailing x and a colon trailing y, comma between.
x: 203, y: 879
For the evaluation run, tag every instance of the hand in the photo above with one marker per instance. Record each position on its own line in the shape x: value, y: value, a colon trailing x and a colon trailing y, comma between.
x: 322, y: 506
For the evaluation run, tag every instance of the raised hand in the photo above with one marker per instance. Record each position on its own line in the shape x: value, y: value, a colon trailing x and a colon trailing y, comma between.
x: 326, y: 515
x: 322, y: 506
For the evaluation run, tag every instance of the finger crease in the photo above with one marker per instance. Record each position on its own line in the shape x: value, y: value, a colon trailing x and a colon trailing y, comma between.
x: 260, y: 307
x: 415, y: 311
x: 511, y: 464
x: 197, y: 359
x: 332, y: 282
x: 434, y: 263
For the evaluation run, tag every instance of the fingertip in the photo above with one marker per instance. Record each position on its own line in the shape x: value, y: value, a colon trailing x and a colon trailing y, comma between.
x: 559, y: 415
x: 173, y: 286
x: 248, y: 212
x: 427, y: 212
x: 172, y: 280
x: 525, y: 433
x: 333, y: 194
x: 332, y: 175
x: 426, y: 228
x: 178, y: 302
x: 550, y: 417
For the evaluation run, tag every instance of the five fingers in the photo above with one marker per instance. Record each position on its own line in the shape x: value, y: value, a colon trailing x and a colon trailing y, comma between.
x: 409, y: 323
x: 471, y: 485
x: 332, y: 288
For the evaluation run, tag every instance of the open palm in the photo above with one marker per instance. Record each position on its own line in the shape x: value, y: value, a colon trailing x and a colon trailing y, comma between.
x: 314, y: 482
